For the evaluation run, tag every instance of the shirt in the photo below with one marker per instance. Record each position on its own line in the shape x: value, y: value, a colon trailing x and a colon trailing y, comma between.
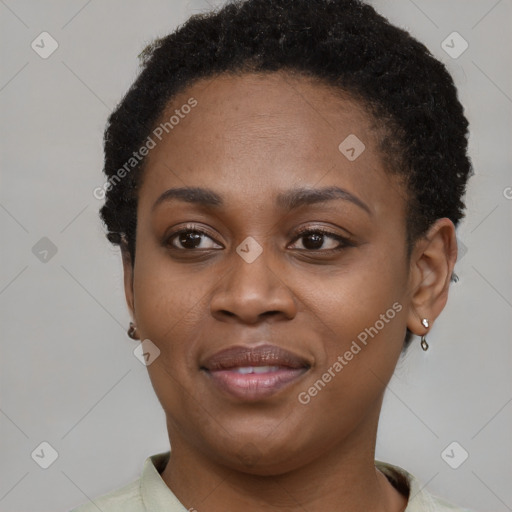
x: 150, y: 493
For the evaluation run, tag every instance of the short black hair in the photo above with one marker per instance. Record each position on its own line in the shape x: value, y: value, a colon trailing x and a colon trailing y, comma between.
x: 342, y: 43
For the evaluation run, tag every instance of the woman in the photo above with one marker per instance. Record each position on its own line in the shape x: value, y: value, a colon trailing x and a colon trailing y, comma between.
x: 284, y: 179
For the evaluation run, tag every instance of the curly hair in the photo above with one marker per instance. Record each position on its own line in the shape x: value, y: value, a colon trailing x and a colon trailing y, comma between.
x: 346, y: 44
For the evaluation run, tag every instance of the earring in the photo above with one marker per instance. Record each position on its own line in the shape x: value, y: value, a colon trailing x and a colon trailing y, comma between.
x: 424, y: 344
x: 132, y: 331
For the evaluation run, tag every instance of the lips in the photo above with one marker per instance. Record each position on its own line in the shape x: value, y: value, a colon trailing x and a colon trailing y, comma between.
x: 262, y: 355
x: 254, y: 373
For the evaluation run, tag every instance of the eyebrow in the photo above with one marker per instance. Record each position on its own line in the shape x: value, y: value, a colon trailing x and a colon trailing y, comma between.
x: 288, y: 200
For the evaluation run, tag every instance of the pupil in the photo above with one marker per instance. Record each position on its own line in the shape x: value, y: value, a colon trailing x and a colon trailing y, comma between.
x: 187, y: 237
x: 317, y: 241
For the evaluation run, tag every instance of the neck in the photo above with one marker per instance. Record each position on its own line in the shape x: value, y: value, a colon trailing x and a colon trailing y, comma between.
x: 342, y: 478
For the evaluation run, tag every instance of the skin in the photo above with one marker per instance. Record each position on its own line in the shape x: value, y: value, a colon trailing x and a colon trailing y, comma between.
x: 250, y: 138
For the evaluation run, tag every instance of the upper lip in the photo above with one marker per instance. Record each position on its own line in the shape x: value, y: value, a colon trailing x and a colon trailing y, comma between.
x: 262, y: 355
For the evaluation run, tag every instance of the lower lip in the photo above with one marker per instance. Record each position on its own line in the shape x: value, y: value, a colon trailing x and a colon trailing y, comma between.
x: 254, y: 386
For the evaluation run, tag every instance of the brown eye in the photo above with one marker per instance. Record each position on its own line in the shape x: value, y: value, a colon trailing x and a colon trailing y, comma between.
x: 321, y: 240
x: 190, y: 239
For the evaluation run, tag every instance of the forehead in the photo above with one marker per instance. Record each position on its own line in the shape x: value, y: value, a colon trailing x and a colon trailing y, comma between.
x: 264, y: 132
x: 274, y: 107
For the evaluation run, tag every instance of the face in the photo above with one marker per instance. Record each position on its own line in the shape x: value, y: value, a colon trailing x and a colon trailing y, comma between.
x: 278, y: 289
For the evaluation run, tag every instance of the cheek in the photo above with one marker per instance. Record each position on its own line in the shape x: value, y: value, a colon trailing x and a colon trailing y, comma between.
x: 360, y: 315
x: 361, y: 346
x: 168, y: 301
x: 349, y: 299
x: 170, y: 311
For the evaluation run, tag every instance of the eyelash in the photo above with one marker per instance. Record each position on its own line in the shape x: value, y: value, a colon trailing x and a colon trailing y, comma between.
x: 344, y: 242
x: 301, y: 233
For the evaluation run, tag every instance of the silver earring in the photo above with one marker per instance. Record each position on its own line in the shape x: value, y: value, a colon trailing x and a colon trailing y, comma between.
x: 424, y: 344
x: 132, y: 331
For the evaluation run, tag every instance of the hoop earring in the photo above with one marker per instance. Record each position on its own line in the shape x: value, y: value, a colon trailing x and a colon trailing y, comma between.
x: 423, y: 343
x: 132, y: 331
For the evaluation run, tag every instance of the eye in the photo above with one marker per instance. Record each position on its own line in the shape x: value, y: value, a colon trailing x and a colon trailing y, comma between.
x: 191, y: 238
x: 319, y: 239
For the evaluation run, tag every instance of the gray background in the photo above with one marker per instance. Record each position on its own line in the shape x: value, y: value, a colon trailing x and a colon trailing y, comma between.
x: 68, y: 374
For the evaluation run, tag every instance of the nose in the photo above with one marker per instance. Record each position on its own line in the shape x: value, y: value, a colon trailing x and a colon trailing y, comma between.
x: 252, y: 292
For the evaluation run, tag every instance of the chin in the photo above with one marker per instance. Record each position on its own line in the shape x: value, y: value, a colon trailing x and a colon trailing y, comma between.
x: 264, y: 458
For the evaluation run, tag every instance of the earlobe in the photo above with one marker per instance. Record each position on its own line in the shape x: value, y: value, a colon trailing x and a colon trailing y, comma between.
x: 432, y: 261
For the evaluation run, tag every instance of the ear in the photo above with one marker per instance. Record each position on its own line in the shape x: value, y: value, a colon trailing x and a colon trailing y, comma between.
x: 432, y: 262
x: 128, y: 278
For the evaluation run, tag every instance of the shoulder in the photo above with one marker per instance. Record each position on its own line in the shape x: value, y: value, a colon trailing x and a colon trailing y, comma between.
x: 126, y: 499
x: 148, y: 493
x: 438, y: 504
x: 420, y: 500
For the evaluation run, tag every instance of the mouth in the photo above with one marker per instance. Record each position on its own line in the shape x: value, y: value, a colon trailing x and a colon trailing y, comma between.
x: 255, y: 373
